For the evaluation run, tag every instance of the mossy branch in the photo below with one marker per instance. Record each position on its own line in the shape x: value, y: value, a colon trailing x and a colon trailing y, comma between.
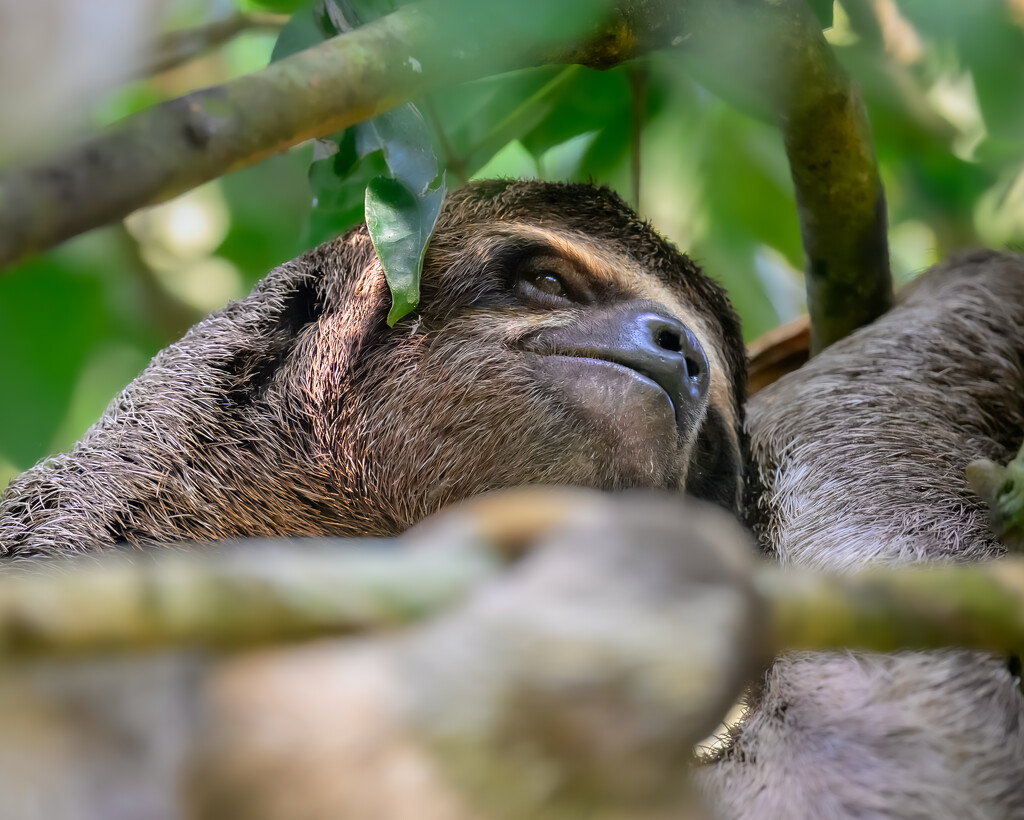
x: 261, y: 592
x: 228, y: 597
x: 172, y: 147
x: 770, y: 54
x: 772, y: 59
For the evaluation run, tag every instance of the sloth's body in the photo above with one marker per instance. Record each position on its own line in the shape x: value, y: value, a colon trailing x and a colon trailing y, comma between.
x: 559, y: 341
x: 861, y: 455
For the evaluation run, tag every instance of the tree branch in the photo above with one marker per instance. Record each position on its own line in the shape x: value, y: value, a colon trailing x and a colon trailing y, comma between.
x: 170, y: 148
x: 773, y: 59
x: 770, y: 53
x: 257, y: 592
x: 980, y: 606
x: 268, y: 591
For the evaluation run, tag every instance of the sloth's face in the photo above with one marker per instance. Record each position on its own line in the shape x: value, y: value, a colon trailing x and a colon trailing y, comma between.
x: 543, y: 353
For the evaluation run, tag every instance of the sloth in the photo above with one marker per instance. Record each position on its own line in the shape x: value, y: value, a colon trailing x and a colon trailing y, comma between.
x: 559, y: 340
x: 861, y: 457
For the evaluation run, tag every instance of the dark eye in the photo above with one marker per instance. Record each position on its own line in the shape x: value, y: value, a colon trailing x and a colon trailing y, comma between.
x: 547, y: 281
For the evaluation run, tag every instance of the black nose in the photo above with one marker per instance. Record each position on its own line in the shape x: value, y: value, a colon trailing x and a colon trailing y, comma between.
x: 644, y: 337
x: 665, y: 350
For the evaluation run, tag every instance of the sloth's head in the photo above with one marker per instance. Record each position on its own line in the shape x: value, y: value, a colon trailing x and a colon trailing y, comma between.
x: 558, y: 340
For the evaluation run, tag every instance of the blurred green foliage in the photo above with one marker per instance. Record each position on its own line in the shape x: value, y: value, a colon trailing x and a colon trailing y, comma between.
x: 942, y: 80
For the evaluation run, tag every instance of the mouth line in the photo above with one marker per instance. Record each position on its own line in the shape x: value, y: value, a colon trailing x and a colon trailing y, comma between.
x: 646, y: 377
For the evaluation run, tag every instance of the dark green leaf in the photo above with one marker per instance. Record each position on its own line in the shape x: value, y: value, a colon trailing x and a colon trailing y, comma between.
x: 823, y: 10
x: 298, y: 34
x: 588, y: 101
x: 339, y: 195
x: 403, y: 137
x: 400, y: 225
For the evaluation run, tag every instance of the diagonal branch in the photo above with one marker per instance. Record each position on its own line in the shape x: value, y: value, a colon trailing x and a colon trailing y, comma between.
x: 768, y: 52
x: 170, y: 148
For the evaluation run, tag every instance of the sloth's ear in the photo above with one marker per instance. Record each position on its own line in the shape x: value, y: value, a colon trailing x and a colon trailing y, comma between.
x: 309, y: 318
x: 352, y: 300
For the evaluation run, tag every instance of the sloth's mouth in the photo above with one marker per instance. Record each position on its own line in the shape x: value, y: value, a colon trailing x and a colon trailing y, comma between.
x: 638, y: 373
x: 610, y: 389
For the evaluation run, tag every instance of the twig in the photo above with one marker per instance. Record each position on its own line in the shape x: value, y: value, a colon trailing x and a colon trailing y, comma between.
x: 178, y: 47
x: 638, y: 84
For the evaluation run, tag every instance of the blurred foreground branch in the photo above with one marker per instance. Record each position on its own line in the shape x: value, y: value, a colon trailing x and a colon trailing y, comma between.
x: 230, y: 596
x: 266, y: 591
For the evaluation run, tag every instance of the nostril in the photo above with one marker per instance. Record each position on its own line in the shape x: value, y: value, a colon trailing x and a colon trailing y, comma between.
x: 670, y: 340
x: 693, y: 368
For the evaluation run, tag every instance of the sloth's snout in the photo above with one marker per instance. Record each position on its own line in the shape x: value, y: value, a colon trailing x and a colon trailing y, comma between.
x: 647, y: 339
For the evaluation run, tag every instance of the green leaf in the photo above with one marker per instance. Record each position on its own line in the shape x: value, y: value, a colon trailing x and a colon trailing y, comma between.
x: 339, y: 193
x: 279, y: 6
x: 400, y: 211
x: 400, y: 225
x: 403, y: 137
x: 589, y: 101
x: 298, y: 34
x: 823, y: 10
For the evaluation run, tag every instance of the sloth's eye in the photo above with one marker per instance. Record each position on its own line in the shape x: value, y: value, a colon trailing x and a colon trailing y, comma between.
x: 548, y: 282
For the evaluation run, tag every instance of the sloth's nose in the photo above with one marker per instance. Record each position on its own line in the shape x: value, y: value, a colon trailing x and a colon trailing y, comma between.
x: 646, y: 338
x: 666, y: 351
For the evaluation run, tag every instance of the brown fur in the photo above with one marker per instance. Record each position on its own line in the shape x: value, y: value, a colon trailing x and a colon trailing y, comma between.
x: 297, y: 411
x: 862, y: 454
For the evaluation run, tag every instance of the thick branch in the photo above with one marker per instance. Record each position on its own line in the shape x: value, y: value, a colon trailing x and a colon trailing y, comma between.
x: 882, y: 610
x: 172, y: 147
x: 281, y: 590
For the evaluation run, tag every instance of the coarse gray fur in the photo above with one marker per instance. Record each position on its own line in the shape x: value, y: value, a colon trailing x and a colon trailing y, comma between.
x: 861, y: 456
